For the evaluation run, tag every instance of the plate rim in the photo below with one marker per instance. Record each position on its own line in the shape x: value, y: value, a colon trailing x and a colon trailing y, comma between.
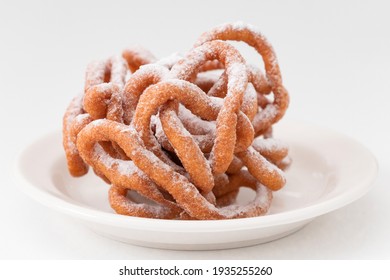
x: 112, y: 219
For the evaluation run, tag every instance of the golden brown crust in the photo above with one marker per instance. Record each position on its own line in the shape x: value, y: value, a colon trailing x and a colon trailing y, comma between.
x: 248, y: 34
x: 137, y: 56
x: 76, y: 164
x: 185, y: 133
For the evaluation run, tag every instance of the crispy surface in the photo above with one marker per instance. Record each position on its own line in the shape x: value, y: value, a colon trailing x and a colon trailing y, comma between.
x: 183, y: 133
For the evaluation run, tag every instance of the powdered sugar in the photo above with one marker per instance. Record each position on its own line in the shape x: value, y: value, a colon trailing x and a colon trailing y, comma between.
x: 186, y: 67
x: 267, y: 168
x: 79, y: 119
x: 170, y: 60
x: 268, y: 113
x: 118, y: 71
x: 123, y: 167
x: 240, y: 25
x: 154, y: 69
x: 171, y: 118
x: 95, y: 73
x: 141, y: 53
x: 238, y: 78
x: 75, y: 108
x: 269, y: 144
x: 197, y: 125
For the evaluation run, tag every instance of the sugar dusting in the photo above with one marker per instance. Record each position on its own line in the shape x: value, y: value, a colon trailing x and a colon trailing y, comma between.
x: 141, y: 53
x: 170, y: 60
x: 95, y: 73
x: 118, y: 70
x: 74, y: 109
x: 186, y: 69
x: 238, y: 78
x: 197, y: 125
x: 269, y: 144
x: 124, y: 167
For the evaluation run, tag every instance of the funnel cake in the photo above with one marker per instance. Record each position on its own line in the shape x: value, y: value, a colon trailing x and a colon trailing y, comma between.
x: 184, y: 133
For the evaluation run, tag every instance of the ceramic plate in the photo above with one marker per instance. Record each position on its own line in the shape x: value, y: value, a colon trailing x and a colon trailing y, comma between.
x: 329, y: 171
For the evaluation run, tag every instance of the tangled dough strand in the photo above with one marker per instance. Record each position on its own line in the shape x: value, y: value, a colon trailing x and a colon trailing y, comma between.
x: 177, y: 138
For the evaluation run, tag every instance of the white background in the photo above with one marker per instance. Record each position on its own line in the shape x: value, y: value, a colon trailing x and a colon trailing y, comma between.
x: 334, y: 57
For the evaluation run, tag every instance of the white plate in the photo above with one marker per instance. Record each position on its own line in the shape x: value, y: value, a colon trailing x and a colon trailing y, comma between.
x: 329, y: 171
